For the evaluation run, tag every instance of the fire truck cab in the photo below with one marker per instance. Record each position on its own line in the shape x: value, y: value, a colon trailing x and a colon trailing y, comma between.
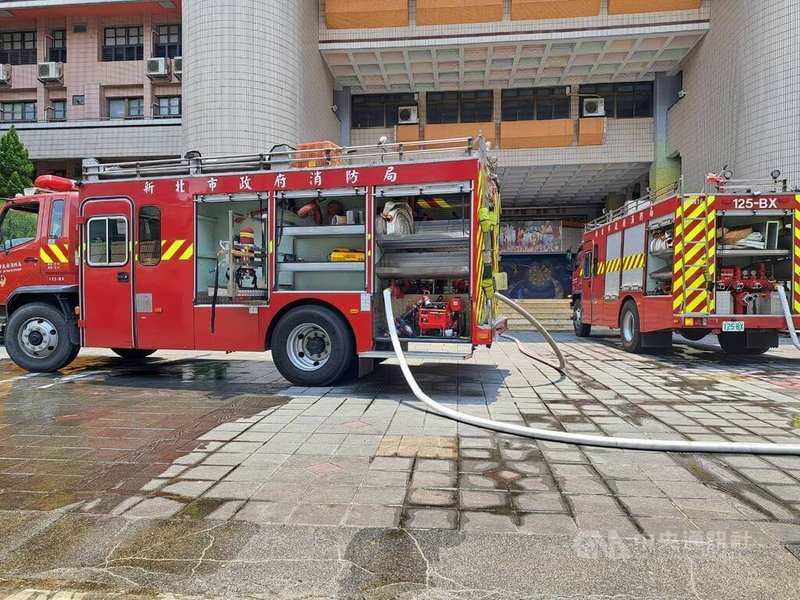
x: 710, y: 263
x: 288, y: 250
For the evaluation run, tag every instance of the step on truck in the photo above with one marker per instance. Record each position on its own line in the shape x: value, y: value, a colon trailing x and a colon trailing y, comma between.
x: 286, y: 251
x: 694, y: 264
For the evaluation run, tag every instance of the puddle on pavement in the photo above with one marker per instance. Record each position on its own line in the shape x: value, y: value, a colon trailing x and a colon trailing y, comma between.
x: 89, y: 438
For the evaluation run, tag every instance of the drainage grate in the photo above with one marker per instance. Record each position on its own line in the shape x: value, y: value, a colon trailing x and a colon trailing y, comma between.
x: 794, y: 549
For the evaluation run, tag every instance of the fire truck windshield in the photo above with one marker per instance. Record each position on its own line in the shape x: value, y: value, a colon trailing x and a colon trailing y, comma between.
x: 19, y: 225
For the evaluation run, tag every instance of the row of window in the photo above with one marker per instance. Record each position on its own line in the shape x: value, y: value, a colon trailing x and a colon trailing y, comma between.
x: 119, y: 43
x: 107, y: 236
x: 622, y: 101
x: 108, y: 239
x: 118, y: 108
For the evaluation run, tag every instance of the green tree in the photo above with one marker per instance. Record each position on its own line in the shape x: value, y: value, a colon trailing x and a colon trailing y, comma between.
x: 16, y: 171
x: 16, y: 168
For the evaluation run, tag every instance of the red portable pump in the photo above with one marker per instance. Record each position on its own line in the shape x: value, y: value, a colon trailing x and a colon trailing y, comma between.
x: 426, y: 318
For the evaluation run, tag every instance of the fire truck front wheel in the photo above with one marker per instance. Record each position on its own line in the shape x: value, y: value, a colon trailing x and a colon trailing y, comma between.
x: 37, y: 338
x: 313, y: 346
x: 581, y: 329
x: 630, y: 328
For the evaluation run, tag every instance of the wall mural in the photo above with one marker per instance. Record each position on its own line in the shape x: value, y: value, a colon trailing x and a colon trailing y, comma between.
x: 538, y: 277
x: 530, y: 237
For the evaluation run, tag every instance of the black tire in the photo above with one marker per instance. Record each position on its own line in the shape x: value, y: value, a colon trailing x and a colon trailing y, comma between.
x: 735, y: 343
x: 694, y: 335
x: 581, y: 328
x: 312, y: 329
x: 630, y: 328
x: 37, y: 338
x: 132, y: 353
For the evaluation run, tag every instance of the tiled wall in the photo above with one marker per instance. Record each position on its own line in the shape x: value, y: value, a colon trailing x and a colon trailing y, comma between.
x: 84, y: 73
x: 253, y: 76
x: 742, y: 104
x: 370, y: 19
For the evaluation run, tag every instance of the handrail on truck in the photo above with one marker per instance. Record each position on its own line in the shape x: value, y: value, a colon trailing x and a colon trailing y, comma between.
x: 279, y: 160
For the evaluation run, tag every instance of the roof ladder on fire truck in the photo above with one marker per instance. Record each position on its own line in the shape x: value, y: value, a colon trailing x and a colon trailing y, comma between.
x: 697, y: 247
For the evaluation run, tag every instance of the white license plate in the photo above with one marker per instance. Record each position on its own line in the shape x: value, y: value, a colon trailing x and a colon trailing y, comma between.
x: 733, y: 326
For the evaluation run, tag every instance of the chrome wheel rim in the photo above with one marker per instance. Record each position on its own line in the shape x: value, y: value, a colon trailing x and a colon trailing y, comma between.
x: 578, y: 317
x: 308, y: 347
x: 627, y: 326
x: 38, y: 338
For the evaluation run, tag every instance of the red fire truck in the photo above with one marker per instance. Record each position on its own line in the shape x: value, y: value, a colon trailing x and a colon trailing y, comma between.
x: 694, y: 264
x: 289, y: 251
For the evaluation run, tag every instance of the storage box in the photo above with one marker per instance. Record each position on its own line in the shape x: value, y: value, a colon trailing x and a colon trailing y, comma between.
x: 769, y: 304
x: 317, y: 154
x: 724, y: 303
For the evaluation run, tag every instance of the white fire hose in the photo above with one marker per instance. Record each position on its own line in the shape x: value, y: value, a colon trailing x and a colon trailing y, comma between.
x: 564, y: 437
x: 787, y: 313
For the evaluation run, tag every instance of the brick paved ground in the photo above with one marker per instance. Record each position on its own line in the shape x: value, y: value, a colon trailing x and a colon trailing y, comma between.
x: 224, y: 441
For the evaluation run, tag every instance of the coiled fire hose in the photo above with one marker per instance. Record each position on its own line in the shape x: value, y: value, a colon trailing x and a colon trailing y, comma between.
x: 580, y: 439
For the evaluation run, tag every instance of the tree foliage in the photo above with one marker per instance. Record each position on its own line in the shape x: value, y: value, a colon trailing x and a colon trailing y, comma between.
x: 16, y: 168
x: 16, y: 171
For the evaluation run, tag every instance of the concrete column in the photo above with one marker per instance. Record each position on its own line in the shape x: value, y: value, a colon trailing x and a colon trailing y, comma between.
x: 664, y: 170
x: 253, y: 76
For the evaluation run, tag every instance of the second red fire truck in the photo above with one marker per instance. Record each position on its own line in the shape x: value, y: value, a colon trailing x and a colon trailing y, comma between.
x: 288, y: 251
x: 711, y: 263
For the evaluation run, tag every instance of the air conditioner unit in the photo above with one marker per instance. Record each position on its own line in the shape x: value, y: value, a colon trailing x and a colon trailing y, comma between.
x: 50, y: 72
x: 158, y: 68
x: 407, y: 115
x: 5, y: 75
x: 594, y: 107
x: 177, y: 66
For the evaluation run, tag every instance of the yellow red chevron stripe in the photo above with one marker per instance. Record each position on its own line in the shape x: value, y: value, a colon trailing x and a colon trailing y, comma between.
x: 176, y: 250
x: 695, y: 252
x: 433, y: 203
x: 54, y: 253
x: 796, y: 303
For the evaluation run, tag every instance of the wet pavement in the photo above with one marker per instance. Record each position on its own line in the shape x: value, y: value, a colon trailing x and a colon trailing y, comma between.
x: 207, y: 475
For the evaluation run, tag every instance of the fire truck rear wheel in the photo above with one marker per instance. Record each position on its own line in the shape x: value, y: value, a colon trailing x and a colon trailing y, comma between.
x: 581, y: 329
x: 132, y: 353
x: 630, y: 329
x: 736, y: 343
x: 313, y: 346
x: 37, y: 338
x: 694, y: 335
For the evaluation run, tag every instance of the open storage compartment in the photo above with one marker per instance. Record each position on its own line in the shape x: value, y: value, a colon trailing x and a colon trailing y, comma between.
x: 422, y: 251
x: 231, y: 249
x: 320, y: 241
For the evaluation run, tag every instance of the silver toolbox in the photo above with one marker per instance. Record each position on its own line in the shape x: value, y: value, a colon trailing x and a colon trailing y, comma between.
x: 724, y: 303
x: 771, y: 305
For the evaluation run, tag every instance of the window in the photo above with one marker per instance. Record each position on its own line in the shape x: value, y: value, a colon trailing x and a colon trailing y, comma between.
x: 379, y: 110
x: 20, y: 224
x: 149, y: 236
x: 58, y: 110
x: 168, y: 106
x: 108, y: 241
x: 588, y: 265
x: 58, y: 50
x: 18, y: 48
x: 540, y: 104
x: 57, y: 220
x: 18, y: 111
x: 624, y: 100
x: 125, y: 108
x: 459, y: 107
x: 123, y: 43
x: 168, y: 41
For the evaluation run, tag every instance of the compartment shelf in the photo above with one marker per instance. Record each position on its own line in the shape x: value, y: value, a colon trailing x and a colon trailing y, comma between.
x: 312, y: 267
x: 323, y: 230
x: 423, y: 265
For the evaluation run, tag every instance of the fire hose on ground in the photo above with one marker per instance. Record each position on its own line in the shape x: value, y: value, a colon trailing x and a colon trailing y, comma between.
x: 580, y: 439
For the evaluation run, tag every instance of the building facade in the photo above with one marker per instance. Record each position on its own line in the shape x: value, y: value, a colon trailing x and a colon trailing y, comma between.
x: 586, y: 102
